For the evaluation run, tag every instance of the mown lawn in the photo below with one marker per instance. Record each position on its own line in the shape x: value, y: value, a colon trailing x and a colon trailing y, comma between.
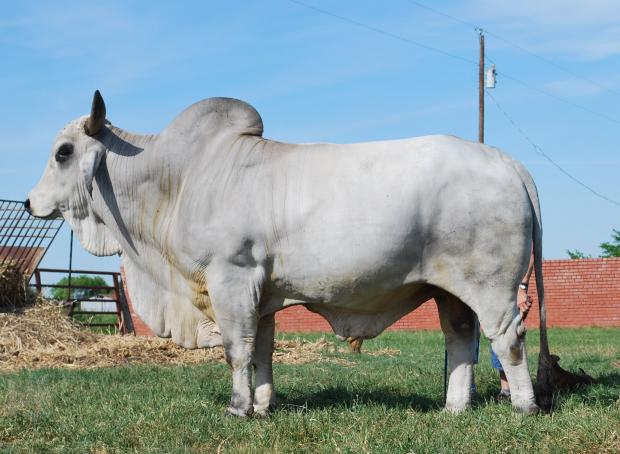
x: 369, y: 404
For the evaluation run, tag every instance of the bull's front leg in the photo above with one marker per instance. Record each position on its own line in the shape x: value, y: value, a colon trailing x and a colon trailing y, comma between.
x: 235, y: 293
x: 264, y: 396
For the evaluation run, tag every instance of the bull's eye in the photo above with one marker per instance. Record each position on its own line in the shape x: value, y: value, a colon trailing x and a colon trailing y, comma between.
x: 64, y: 152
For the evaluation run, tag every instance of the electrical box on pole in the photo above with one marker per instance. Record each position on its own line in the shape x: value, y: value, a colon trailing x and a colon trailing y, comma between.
x: 491, y: 77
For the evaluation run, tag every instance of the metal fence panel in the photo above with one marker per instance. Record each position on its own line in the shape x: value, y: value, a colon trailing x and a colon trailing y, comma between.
x: 24, y: 239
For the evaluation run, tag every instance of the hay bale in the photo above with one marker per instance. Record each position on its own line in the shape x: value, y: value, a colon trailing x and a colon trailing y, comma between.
x: 13, y: 287
x: 40, y: 326
x: 42, y: 336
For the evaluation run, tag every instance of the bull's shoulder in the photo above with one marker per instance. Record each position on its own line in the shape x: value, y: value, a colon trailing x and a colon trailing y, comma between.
x: 217, y: 115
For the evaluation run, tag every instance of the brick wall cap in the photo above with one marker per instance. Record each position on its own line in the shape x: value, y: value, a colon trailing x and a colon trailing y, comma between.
x: 592, y: 259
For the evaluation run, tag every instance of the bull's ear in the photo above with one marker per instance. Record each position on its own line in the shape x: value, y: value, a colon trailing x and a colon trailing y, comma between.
x: 88, y: 166
x: 96, y: 120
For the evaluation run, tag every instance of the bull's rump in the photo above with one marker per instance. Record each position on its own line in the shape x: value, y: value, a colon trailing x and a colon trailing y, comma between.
x: 357, y: 222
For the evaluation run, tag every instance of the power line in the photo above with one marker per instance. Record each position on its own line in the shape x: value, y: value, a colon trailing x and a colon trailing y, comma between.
x: 383, y: 32
x: 458, y: 57
x: 554, y: 64
x: 517, y: 46
x: 540, y: 151
x: 441, y: 13
x: 451, y: 55
x: 558, y: 98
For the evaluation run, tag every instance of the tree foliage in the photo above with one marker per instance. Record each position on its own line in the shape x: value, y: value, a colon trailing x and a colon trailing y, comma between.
x: 81, y: 280
x: 577, y: 254
x: 611, y: 248
x: 608, y: 248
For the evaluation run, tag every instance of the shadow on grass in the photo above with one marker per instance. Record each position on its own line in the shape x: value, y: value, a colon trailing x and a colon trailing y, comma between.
x: 602, y: 392
x: 612, y: 379
x: 336, y: 397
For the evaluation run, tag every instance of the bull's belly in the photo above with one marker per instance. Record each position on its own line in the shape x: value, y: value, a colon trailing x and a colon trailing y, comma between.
x: 362, y: 313
x: 368, y: 317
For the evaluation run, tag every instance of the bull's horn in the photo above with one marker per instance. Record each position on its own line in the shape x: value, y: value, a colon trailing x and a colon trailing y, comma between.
x: 95, y: 122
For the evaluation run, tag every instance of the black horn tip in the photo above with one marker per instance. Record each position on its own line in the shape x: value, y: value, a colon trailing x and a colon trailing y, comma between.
x: 96, y: 119
x: 98, y: 103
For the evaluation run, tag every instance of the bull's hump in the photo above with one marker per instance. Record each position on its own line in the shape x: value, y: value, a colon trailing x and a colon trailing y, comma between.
x: 219, y: 115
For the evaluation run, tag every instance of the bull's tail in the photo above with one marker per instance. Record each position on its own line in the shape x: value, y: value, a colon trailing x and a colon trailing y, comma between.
x: 550, y: 376
x: 537, y: 250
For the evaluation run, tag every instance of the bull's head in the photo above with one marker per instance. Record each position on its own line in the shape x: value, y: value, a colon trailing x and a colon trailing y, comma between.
x: 66, y: 187
x: 70, y: 170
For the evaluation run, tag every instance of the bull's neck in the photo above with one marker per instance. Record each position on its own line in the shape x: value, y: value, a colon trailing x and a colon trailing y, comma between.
x: 129, y: 158
x: 129, y: 181
x: 118, y: 140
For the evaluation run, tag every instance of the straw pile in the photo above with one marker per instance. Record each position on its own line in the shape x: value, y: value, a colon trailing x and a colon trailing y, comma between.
x: 13, y: 293
x: 41, y: 336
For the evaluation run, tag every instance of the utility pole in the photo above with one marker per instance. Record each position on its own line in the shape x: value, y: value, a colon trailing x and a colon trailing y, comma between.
x: 481, y: 89
x: 481, y: 140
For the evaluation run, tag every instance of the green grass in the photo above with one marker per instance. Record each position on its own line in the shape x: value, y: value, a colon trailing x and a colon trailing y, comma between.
x: 87, y: 319
x: 374, y: 404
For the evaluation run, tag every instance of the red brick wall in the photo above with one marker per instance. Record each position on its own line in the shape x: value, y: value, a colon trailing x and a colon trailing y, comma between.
x: 140, y: 328
x: 300, y: 319
x: 584, y: 292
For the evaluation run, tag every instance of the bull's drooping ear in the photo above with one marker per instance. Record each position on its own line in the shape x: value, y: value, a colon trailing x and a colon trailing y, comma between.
x: 96, y: 120
x: 88, y: 166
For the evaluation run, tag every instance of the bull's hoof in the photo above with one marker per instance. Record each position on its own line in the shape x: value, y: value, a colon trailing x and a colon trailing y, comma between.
x: 455, y: 409
x: 263, y: 412
x: 240, y: 412
x: 528, y: 408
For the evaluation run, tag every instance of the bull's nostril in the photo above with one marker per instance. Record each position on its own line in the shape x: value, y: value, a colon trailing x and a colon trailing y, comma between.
x: 27, y: 204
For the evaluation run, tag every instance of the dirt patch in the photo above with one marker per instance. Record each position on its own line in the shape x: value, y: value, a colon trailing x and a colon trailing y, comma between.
x: 42, y: 336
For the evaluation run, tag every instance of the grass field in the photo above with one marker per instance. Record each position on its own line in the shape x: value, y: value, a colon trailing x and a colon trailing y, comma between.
x: 360, y: 403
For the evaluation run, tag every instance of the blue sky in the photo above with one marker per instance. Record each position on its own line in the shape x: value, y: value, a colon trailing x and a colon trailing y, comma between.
x: 314, y: 77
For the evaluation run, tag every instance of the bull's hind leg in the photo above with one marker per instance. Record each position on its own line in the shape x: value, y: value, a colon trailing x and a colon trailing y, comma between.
x: 458, y: 323
x: 502, y: 324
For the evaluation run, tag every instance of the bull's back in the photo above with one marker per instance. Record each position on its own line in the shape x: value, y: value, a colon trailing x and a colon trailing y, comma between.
x: 383, y: 212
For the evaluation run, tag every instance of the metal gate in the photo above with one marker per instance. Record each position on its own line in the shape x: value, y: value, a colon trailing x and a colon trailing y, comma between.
x: 122, y: 322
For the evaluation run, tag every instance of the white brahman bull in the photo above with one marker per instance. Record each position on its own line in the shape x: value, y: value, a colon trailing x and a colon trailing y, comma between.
x: 216, y: 222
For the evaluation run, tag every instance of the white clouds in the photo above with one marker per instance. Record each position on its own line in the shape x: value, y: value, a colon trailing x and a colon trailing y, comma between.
x: 63, y: 31
x: 572, y: 87
x: 587, y: 30
x: 556, y: 13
